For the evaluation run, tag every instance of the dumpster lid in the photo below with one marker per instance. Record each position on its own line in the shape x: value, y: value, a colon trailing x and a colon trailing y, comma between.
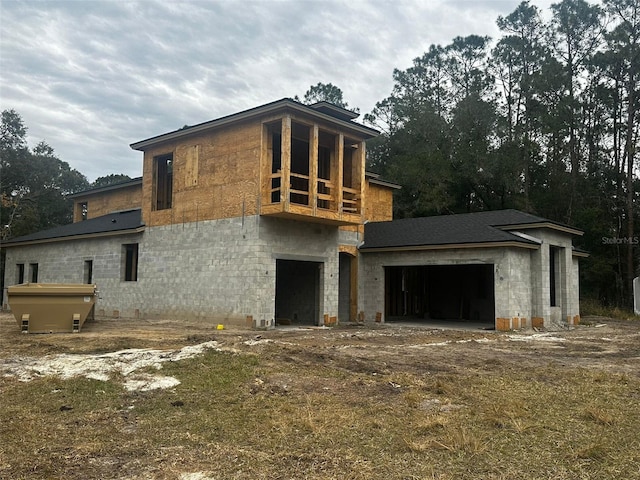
x: 52, y: 289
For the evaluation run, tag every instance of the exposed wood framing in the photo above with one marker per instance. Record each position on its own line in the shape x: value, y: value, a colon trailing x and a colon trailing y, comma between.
x: 313, y: 168
x: 286, y: 161
x: 339, y: 152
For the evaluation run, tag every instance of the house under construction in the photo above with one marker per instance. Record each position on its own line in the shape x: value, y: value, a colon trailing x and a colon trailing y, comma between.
x: 269, y: 216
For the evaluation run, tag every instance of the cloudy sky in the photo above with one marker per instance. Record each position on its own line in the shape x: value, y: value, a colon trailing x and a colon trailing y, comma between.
x: 91, y: 77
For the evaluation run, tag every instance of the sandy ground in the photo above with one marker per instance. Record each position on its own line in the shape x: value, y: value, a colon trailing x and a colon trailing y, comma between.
x: 125, y: 347
x: 134, y: 353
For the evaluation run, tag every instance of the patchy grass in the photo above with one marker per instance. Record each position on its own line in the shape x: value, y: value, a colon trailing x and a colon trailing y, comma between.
x: 593, y: 308
x: 303, y: 408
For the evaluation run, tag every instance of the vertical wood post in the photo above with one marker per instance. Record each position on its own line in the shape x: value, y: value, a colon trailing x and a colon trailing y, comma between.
x: 313, y: 168
x: 285, y: 183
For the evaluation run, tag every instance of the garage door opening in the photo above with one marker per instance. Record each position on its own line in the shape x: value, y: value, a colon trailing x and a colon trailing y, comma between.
x: 297, y: 292
x: 448, y: 293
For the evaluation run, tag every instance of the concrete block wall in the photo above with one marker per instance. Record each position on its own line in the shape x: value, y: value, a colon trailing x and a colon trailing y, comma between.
x: 208, y: 270
x: 567, y: 310
x: 513, y: 289
x: 573, y: 308
x: 304, y: 241
x: 223, y: 270
x: 511, y: 277
x: 63, y: 262
x: 540, y: 287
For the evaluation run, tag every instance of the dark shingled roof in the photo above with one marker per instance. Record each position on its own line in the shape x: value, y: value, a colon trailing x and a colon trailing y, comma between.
x: 334, y: 114
x: 133, y: 182
x: 114, y: 223
x: 467, y: 228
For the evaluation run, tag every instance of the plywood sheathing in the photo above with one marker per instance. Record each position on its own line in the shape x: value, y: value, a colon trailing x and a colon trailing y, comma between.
x: 378, y: 203
x: 215, y: 175
x: 319, y: 134
x: 102, y: 203
x: 227, y: 172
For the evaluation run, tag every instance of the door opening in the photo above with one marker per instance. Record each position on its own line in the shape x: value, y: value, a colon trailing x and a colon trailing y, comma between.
x: 348, y: 288
x: 298, y: 292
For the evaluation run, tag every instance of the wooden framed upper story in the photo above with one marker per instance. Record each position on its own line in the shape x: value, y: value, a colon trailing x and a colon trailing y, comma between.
x: 311, y: 170
x: 282, y: 159
x: 104, y: 200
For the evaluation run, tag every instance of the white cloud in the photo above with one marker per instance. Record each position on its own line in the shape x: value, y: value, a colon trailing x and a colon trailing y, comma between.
x: 92, y: 77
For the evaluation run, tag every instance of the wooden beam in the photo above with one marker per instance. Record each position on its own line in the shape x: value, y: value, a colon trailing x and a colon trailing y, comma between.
x: 361, y: 163
x: 339, y: 154
x: 286, y: 161
x: 313, y: 167
x: 266, y: 157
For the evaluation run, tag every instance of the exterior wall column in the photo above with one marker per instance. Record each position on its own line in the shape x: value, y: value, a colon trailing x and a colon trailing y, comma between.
x: 512, y: 290
x: 573, y: 289
x: 501, y: 295
x: 564, y: 265
x: 540, y: 286
x: 330, y: 288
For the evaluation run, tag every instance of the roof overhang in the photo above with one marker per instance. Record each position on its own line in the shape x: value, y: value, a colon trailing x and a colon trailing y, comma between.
x: 450, y: 246
x: 550, y: 225
x: 67, y: 238
x: 335, y: 111
x: 580, y: 253
x: 286, y: 104
x: 375, y: 179
x: 134, y: 182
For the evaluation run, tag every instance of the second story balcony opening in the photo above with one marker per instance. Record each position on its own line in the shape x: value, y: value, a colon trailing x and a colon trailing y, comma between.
x: 311, y: 170
x: 299, y: 176
x: 327, y: 163
x: 351, y: 176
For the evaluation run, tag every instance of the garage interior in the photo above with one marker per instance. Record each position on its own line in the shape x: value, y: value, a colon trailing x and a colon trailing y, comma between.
x: 297, y: 292
x: 450, y: 293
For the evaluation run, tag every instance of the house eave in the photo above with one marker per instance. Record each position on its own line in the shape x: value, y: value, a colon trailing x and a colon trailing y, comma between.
x: 448, y: 246
x: 74, y: 237
x: 268, y: 109
x: 134, y: 182
x: 550, y: 225
x: 382, y: 183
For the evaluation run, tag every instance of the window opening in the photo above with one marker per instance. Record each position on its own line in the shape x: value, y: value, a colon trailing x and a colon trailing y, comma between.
x: 33, y: 268
x: 131, y: 262
x: 88, y: 271
x: 326, y: 156
x: 163, y: 181
x: 20, y: 273
x: 350, y: 189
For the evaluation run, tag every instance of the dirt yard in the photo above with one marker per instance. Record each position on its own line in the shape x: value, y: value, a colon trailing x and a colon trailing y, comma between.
x: 182, y: 400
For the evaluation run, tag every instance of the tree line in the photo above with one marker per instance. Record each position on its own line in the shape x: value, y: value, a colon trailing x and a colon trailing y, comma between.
x: 543, y: 119
x: 35, y: 183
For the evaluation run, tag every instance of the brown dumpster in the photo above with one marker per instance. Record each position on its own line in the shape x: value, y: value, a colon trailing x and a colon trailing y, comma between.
x: 51, y: 307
